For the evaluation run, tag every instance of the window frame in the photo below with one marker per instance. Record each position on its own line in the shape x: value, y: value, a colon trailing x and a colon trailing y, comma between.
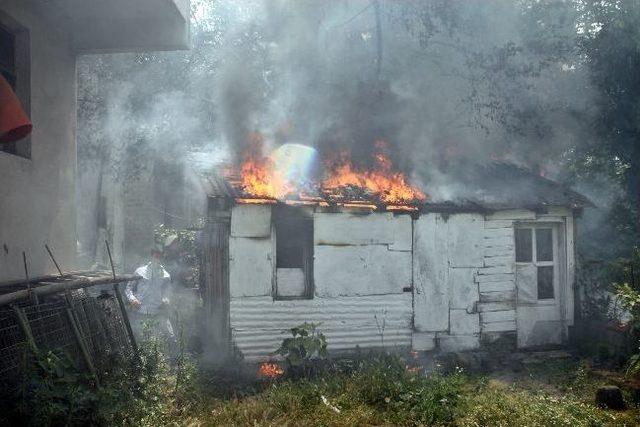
x: 281, y: 213
x: 22, y: 85
x: 555, y: 263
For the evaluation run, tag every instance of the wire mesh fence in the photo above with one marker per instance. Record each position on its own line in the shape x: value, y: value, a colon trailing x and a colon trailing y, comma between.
x: 88, y: 327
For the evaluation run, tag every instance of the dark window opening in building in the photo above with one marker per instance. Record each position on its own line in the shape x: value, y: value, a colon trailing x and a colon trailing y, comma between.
x: 294, y: 254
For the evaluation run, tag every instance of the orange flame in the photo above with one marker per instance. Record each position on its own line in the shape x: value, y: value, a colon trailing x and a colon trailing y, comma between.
x: 388, y: 185
x: 269, y: 370
x: 259, y: 179
x: 258, y: 174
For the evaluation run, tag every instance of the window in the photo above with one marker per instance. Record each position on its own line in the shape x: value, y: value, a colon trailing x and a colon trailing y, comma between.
x: 535, y: 245
x: 15, y: 68
x: 523, y: 245
x: 294, y: 254
x: 8, y: 56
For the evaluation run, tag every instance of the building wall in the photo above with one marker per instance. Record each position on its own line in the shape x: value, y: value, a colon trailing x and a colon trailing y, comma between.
x: 465, y: 281
x: 448, y: 254
x: 461, y: 266
x: 37, y: 195
x: 361, y: 265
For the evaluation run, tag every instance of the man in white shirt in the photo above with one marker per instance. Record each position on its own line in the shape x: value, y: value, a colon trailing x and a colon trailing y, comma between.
x: 149, y: 296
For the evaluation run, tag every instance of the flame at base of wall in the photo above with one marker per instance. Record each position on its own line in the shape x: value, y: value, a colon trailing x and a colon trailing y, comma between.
x: 269, y: 370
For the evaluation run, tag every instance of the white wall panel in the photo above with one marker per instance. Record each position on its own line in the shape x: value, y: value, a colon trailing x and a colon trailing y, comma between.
x: 465, y: 240
x: 430, y: 272
x: 464, y: 323
x: 345, y: 228
x: 290, y: 282
x: 463, y: 288
x: 251, y: 220
x: 402, y: 233
x: 250, y: 266
x: 360, y: 270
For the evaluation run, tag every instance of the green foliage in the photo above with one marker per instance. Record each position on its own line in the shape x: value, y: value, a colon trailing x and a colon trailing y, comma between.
x: 610, y: 47
x: 144, y: 392
x: 384, y: 383
x: 186, y: 258
x: 56, y: 393
x: 186, y: 238
x: 377, y: 389
x: 372, y: 390
x: 497, y: 405
x: 364, y: 389
x: 304, y: 350
x: 627, y: 289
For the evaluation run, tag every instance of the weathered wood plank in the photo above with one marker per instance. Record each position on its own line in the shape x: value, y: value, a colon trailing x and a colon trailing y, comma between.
x: 498, y: 316
x: 496, y: 306
x: 499, y: 296
x: 512, y: 214
x: 499, y: 327
x: 495, y: 278
x: 508, y: 285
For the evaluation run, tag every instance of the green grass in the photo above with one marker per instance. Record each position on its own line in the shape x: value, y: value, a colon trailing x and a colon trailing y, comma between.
x: 367, y: 390
x: 381, y: 392
x: 447, y: 400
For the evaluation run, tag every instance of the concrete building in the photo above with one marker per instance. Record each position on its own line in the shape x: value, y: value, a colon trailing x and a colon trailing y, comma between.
x: 447, y: 276
x: 40, y: 42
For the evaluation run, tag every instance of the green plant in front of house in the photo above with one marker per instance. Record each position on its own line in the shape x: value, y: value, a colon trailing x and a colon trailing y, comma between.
x: 305, y: 350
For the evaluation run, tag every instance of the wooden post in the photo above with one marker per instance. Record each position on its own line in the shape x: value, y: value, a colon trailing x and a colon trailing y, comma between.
x: 214, y: 276
x: 53, y: 260
x: 125, y: 319
x: 26, y: 276
x: 26, y: 329
x: 123, y: 308
x: 80, y: 339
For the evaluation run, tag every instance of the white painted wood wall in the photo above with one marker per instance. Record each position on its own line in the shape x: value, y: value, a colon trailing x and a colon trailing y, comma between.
x: 462, y: 268
x: 361, y: 265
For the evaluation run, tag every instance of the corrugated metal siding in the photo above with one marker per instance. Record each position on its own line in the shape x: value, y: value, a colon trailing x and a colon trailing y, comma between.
x: 259, y: 324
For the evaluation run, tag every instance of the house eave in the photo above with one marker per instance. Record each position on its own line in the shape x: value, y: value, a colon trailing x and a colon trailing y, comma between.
x: 113, y: 26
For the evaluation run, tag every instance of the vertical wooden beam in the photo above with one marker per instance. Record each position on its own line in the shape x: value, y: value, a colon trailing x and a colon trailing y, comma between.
x: 80, y: 340
x: 214, y: 276
x: 123, y: 308
x: 26, y: 329
x: 572, y: 288
x: 125, y: 319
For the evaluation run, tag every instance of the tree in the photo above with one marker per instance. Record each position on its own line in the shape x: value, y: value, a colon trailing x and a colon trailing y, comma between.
x: 611, y: 45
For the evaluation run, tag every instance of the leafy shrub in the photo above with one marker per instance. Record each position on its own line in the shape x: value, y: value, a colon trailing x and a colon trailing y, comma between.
x: 628, y: 291
x: 502, y: 406
x: 143, y: 392
x: 384, y: 383
x: 305, y: 351
x: 55, y: 392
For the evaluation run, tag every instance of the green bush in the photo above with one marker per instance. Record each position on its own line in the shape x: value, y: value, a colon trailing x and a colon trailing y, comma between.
x: 305, y: 351
x: 385, y: 384
x: 54, y: 392
x: 501, y: 406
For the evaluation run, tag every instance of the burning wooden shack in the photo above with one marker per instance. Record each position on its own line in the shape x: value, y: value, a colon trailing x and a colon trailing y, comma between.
x: 387, y: 267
